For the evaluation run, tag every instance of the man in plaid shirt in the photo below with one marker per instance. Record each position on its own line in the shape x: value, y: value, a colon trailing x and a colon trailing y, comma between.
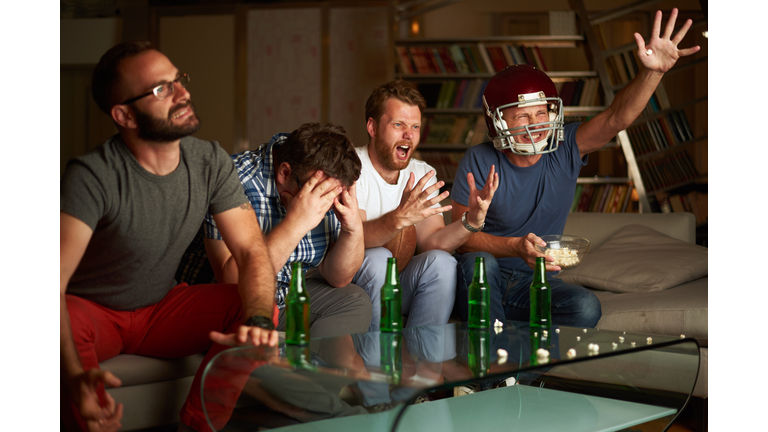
x: 302, y: 188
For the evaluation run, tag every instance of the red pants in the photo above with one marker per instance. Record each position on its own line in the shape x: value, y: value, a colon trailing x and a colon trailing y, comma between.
x: 177, y: 326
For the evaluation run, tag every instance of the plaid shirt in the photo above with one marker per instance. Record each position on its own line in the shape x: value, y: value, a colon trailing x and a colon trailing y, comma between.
x: 257, y: 174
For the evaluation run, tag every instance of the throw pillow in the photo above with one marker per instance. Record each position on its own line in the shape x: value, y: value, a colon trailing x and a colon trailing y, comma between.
x: 639, y: 259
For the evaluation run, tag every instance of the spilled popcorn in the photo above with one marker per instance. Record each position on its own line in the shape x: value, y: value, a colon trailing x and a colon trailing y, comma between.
x: 502, y: 356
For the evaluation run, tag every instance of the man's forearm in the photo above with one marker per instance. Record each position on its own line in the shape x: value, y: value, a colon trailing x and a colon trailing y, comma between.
x: 256, y: 284
x: 499, y: 247
x: 630, y: 102
x: 344, y: 259
x: 449, y: 238
x: 379, y: 231
x: 70, y: 360
x: 282, y: 241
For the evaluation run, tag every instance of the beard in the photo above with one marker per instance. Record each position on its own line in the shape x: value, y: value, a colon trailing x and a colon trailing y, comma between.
x: 155, y: 129
x: 387, y: 158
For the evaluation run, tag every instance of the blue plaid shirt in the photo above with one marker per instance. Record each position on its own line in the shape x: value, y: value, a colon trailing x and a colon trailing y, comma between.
x: 257, y: 174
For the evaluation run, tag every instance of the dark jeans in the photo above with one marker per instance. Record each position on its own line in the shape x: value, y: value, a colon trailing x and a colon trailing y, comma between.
x: 572, y: 305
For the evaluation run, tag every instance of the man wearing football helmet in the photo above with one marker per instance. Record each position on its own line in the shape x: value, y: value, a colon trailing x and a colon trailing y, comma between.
x: 538, y: 178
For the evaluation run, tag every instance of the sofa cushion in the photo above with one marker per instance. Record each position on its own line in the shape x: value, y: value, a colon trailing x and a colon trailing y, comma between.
x: 138, y: 370
x: 679, y: 310
x: 639, y: 259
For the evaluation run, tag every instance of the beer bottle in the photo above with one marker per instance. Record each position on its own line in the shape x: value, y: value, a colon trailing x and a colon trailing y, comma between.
x: 391, y: 358
x: 391, y: 300
x: 479, y: 351
x: 479, y: 294
x: 298, y: 356
x: 297, y: 308
x: 541, y: 297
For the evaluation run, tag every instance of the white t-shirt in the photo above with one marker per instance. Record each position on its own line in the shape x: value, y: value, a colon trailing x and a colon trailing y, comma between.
x: 376, y: 196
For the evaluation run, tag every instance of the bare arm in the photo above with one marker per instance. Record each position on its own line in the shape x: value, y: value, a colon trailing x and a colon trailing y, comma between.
x: 503, y: 247
x: 74, y: 236
x: 632, y: 99
x: 346, y: 256
x: 256, y: 279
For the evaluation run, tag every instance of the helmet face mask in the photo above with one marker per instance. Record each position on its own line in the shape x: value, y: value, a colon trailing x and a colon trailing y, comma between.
x: 523, y: 86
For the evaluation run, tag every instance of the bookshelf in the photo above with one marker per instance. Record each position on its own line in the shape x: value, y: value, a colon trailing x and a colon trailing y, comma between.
x: 659, y: 147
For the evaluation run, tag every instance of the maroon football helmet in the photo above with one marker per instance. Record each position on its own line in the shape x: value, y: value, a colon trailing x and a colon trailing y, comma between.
x: 523, y: 86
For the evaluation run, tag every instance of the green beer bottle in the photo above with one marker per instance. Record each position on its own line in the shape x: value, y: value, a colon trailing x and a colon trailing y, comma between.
x: 391, y: 300
x: 297, y: 308
x: 391, y: 359
x: 541, y: 297
x: 298, y: 356
x: 479, y: 351
x: 479, y: 294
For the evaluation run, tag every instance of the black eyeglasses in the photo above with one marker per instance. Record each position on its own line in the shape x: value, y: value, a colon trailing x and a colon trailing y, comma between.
x: 163, y: 90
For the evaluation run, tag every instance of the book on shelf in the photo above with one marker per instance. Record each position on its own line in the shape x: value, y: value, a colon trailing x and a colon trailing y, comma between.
x: 489, y: 66
x: 601, y: 198
x: 576, y: 196
x: 578, y: 92
x: 660, y: 133
x: 437, y: 60
x: 669, y: 170
x: 479, y: 132
x: 458, y: 57
x: 468, y: 58
x: 690, y: 202
x: 454, y: 94
x: 448, y: 61
x: 406, y: 64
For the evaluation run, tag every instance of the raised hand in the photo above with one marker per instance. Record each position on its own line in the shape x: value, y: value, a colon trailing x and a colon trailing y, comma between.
x: 480, y: 200
x: 346, y: 209
x: 662, y: 53
x: 415, y: 205
x: 99, y: 414
x: 314, y: 199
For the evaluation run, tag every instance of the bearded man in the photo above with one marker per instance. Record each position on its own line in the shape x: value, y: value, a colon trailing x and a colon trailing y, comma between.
x: 398, y: 196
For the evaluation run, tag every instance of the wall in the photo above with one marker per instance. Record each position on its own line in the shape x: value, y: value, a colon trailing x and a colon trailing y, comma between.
x: 204, y: 47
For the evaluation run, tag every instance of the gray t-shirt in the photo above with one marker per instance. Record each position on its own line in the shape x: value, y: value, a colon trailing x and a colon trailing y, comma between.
x: 142, y: 222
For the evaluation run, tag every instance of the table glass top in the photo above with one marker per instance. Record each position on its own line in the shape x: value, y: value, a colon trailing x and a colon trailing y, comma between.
x: 372, y: 378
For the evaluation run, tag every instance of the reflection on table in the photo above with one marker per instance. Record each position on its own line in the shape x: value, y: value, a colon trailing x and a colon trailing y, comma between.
x: 366, y: 381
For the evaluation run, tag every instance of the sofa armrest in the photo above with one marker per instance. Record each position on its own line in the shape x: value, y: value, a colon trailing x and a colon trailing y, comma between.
x: 599, y: 227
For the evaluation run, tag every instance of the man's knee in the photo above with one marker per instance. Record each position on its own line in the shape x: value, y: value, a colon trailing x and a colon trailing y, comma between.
x: 356, y: 299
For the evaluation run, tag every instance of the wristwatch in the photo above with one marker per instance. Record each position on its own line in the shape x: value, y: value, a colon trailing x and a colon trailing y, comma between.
x: 260, y: 321
x: 469, y: 227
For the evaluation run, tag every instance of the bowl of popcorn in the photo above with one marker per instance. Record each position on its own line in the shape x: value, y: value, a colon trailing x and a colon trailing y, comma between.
x: 567, y: 250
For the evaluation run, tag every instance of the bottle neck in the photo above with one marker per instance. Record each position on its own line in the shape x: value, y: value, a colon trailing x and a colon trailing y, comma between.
x: 297, y: 277
x: 479, y: 276
x: 392, y: 271
x: 540, y: 272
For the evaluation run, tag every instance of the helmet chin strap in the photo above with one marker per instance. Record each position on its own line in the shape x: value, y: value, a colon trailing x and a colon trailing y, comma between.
x: 509, y: 141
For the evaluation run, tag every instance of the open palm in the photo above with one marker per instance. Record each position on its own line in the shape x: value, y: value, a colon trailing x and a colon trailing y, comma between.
x: 661, y: 52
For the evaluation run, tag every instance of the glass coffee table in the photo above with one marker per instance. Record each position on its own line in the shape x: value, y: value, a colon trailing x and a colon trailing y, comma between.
x: 452, y: 378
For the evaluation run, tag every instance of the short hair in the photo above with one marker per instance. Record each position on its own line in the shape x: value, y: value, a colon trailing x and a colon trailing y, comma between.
x: 399, y: 89
x: 106, y: 83
x: 324, y: 147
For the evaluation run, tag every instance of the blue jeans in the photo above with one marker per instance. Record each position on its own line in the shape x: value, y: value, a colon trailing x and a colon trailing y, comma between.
x: 428, y: 283
x: 572, y: 305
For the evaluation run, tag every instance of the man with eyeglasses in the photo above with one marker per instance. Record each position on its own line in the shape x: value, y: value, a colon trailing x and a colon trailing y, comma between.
x: 129, y: 209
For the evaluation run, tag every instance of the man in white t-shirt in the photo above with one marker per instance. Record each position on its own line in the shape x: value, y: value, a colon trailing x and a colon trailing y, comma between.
x: 395, y: 192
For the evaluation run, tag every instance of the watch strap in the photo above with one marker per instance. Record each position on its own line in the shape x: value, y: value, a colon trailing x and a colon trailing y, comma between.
x: 260, y: 321
x: 469, y: 227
